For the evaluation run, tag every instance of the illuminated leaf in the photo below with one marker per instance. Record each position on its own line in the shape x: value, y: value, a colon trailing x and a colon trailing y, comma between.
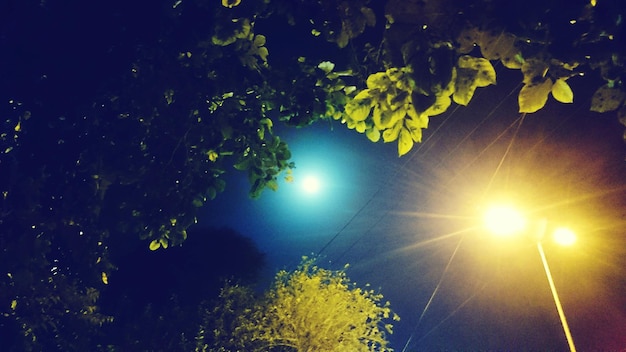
x: 212, y: 155
x: 105, y: 279
x: 360, y: 126
x: 405, y: 142
x: 262, y: 53
x: 607, y: 98
x: 449, y: 89
x: 394, y: 74
x: 358, y: 112
x: 373, y: 134
x: 164, y: 243
x: 465, y: 86
x: 387, y: 119
x: 378, y: 80
x: 364, y: 94
x: 154, y: 245
x: 485, y: 74
x: 534, y: 71
x: 500, y: 47
x: 391, y: 134
x: 377, y: 117
x: 230, y: 3
x: 398, y: 99
x: 272, y: 184
x: 562, y: 92
x: 440, y: 106
x: 326, y: 66
x: 467, y: 39
x: 259, y: 40
x: 533, y: 97
x: 417, y: 121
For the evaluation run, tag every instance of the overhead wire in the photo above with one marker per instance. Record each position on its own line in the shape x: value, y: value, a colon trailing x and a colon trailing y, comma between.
x: 378, y: 190
x: 517, y: 122
x: 432, y: 296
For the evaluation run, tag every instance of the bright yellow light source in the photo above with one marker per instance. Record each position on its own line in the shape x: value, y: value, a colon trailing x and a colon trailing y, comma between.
x: 564, y: 236
x: 310, y: 184
x: 504, y: 221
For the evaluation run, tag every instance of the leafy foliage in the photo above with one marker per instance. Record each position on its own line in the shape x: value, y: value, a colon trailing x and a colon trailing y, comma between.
x: 386, y: 107
x: 197, y: 94
x: 309, y: 309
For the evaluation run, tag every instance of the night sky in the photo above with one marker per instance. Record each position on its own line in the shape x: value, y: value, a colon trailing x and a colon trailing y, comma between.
x: 398, y: 221
x: 412, y: 226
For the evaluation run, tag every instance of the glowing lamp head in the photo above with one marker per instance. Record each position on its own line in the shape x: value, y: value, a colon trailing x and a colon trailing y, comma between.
x: 310, y: 184
x: 564, y: 236
x: 504, y: 220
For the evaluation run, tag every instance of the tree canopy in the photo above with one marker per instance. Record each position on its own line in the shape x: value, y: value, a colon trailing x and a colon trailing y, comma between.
x: 127, y: 119
x: 308, y: 309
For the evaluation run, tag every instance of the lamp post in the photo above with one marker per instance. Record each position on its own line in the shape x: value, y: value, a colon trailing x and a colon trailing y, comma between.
x: 508, y: 221
x: 564, y: 237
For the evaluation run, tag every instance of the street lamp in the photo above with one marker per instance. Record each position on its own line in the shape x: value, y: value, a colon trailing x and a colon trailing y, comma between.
x: 505, y: 220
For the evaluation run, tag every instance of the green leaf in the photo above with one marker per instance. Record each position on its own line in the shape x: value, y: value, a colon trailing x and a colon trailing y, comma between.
x: 534, y: 71
x: 262, y: 52
x: 467, y: 39
x: 384, y: 119
x: 533, y: 97
x: 154, y: 245
x: 197, y: 202
x: 391, y: 134
x: 211, y: 193
x: 440, y: 106
x: 500, y: 47
x: 562, y: 92
x: 465, y: 86
x: 405, y: 142
x: 259, y: 40
x: 484, y: 75
x: 242, y: 165
x: 358, y: 112
x: 364, y: 94
x: 326, y: 66
x: 360, y: 126
x: 373, y: 134
x: 606, y: 99
x: 272, y: 184
x: 378, y: 80
x: 417, y: 121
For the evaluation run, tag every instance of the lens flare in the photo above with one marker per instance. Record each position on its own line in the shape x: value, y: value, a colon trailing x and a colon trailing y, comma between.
x: 564, y: 236
x: 504, y: 220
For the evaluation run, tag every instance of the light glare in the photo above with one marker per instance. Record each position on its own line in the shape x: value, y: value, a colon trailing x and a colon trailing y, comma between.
x: 310, y: 184
x: 564, y: 236
x: 504, y: 221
